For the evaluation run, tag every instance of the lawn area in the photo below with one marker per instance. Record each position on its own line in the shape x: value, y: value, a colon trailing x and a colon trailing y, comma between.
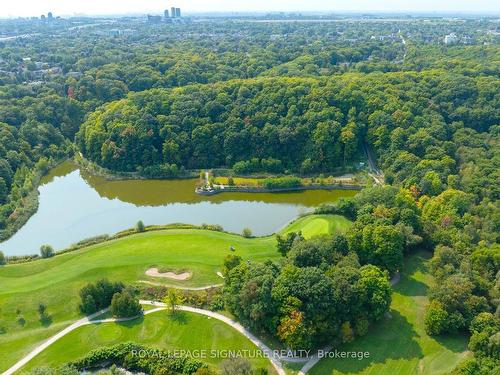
x: 184, y: 331
x: 314, y: 225
x: 56, y: 282
x: 399, y: 345
x: 239, y: 181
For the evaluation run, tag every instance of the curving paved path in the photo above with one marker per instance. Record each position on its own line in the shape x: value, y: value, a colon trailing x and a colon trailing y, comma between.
x: 312, y: 362
x: 275, y: 359
x: 396, y: 278
x: 80, y: 323
x: 53, y: 339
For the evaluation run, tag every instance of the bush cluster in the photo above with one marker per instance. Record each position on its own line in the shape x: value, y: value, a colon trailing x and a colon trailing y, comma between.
x: 98, y: 295
x: 125, y: 355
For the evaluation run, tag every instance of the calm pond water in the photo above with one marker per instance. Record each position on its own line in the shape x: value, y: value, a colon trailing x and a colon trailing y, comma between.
x: 75, y: 205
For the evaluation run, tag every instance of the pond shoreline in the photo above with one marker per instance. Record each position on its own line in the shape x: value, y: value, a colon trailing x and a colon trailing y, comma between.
x: 100, y: 239
x: 110, y: 175
x: 28, y: 207
x: 60, y: 220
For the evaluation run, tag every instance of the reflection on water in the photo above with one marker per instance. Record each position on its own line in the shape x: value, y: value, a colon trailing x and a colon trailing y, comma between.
x: 75, y: 204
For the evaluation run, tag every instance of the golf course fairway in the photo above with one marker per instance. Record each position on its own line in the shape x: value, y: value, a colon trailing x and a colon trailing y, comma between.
x: 398, y: 344
x: 182, y: 331
x: 56, y: 281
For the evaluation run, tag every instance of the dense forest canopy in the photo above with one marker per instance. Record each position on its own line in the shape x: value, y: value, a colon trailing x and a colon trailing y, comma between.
x: 416, y: 122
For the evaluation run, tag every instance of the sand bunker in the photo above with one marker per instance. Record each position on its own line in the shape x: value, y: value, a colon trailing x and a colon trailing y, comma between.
x: 153, y: 272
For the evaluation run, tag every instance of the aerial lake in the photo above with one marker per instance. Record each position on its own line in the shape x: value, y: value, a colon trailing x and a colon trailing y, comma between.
x: 75, y: 205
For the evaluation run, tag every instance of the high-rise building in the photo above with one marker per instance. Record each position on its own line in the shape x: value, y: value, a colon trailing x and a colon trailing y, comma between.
x: 165, y: 14
x: 50, y: 16
x: 178, y: 12
x: 172, y: 12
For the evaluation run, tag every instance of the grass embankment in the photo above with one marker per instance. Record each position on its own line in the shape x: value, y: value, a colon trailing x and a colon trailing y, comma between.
x: 399, y: 344
x: 55, y: 282
x: 239, y: 181
x: 305, y: 181
x: 183, y: 331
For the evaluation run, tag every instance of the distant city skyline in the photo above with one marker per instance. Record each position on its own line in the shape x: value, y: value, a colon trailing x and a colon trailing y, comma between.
x: 26, y: 8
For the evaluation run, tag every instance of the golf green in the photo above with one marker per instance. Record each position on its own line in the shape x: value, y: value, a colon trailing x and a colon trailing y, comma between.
x: 314, y: 225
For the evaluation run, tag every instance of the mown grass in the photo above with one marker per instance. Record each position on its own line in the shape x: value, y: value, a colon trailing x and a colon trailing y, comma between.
x: 239, y: 181
x: 398, y: 344
x: 253, y: 182
x: 182, y: 331
x: 315, y: 225
x: 55, y: 282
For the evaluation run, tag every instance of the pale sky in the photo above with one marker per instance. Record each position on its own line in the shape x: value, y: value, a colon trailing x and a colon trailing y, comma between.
x: 10, y: 8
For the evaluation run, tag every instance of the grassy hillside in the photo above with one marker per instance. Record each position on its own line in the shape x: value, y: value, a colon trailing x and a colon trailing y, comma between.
x: 398, y: 344
x: 55, y: 282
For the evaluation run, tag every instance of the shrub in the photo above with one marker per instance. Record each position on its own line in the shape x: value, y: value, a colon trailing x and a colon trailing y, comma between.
x: 214, y: 227
x: 248, y: 166
x: 139, y: 227
x: 122, y: 355
x: 285, y: 242
x: 41, y: 308
x: 46, y: 251
x: 257, y: 165
x: 98, y: 296
x: 230, y: 261
x: 485, y: 339
x: 346, y: 332
x: 271, y: 165
x: 88, y: 241
x: 361, y: 326
x: 281, y: 182
x: 217, y: 303
x: 247, y: 233
x: 20, y: 258
x: 173, y: 299
x: 436, y: 319
x: 344, y: 207
x: 88, y: 305
x: 2, y: 259
x: 45, y: 318
x: 162, y: 171
x: 125, y: 305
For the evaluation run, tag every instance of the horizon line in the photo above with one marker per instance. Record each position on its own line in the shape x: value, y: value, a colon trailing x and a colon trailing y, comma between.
x: 272, y: 12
